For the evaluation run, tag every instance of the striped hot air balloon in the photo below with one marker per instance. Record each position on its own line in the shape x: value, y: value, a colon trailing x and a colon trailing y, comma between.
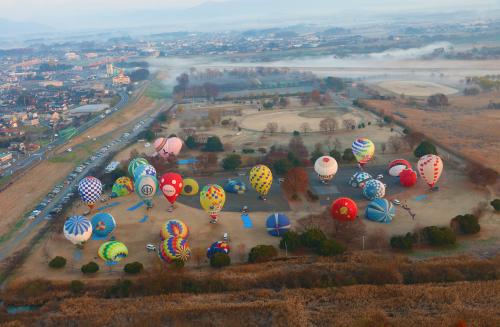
x: 134, y: 163
x: 77, y: 229
x: 174, y: 248
x: 174, y: 228
x: 380, y: 210
x: 363, y: 149
x: 112, y: 252
x: 430, y: 168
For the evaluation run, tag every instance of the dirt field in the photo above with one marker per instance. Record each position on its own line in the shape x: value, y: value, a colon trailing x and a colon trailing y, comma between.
x: 416, y: 88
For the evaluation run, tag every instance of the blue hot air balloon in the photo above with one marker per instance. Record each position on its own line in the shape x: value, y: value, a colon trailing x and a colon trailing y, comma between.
x: 103, y: 224
x: 359, y: 179
x: 380, y: 210
x: 277, y: 224
x: 374, y: 189
x: 235, y: 186
x: 77, y: 229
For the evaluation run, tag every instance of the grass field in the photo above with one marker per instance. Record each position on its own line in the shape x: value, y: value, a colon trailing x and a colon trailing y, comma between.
x: 416, y: 88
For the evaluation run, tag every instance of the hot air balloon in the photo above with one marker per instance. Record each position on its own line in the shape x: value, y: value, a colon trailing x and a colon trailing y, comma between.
x: 344, y: 209
x: 103, y: 224
x: 90, y: 190
x: 430, y: 168
x: 190, y: 187
x: 363, y: 149
x: 174, y: 228
x: 396, y: 166
x: 380, y: 210
x: 146, y: 188
x: 212, y: 199
x: 171, y: 186
x: 359, y: 179
x: 142, y: 170
x: 374, y: 189
x: 77, y: 229
x: 166, y: 147
x: 112, y: 252
x: 408, y: 177
x: 122, y: 186
x: 261, y: 179
x: 218, y: 247
x: 174, y: 248
x: 134, y: 163
x: 326, y: 167
x: 235, y: 186
x: 277, y: 224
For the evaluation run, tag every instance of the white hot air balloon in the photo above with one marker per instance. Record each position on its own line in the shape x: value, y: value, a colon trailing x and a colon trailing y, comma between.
x: 326, y: 167
x: 77, y: 229
x: 430, y: 168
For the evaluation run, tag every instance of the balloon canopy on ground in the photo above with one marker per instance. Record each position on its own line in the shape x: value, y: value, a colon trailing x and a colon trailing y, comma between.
x: 235, y: 186
x: 277, y: 224
x: 396, y: 166
x: 344, y: 209
x: 77, y: 229
x: 123, y: 186
x: 408, y: 177
x: 112, y: 252
x: 174, y: 228
x: 380, y: 210
x: 103, y: 224
x: 374, y: 189
x: 190, y: 187
x: 174, y: 248
x: 359, y: 179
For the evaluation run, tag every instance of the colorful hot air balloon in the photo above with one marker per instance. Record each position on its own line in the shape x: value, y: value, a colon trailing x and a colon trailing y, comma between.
x: 166, y: 147
x: 142, y: 170
x: 396, y: 166
x: 408, y: 177
x: 190, y: 187
x: 103, y: 224
x: 174, y: 228
x: 344, y: 209
x: 359, y: 179
x: 363, y: 149
x: 218, y: 247
x: 235, y: 186
x: 326, y: 167
x: 174, y: 248
x: 112, y: 252
x: 261, y: 179
x: 90, y: 190
x: 77, y: 229
x: 212, y: 199
x: 374, y: 189
x: 134, y: 163
x: 122, y: 186
x: 146, y: 188
x: 277, y: 224
x: 171, y: 186
x: 430, y: 168
x: 380, y: 210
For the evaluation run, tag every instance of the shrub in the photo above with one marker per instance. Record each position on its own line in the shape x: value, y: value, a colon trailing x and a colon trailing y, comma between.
x: 312, y: 238
x: 262, y: 150
x: 231, y: 162
x: 90, y: 268
x: 76, y: 286
x: 348, y: 156
x: 57, y: 262
x: 219, y: 260
x: 329, y: 247
x: 402, y: 242
x: 336, y: 155
x: 424, y: 148
x: 495, y: 204
x: 290, y: 241
x: 296, y: 133
x: 439, y: 236
x: 190, y: 142
x: 312, y: 196
x: 282, y: 166
x: 133, y: 267
x: 315, y: 155
x: 120, y: 289
x: 468, y: 224
x: 248, y: 150
x: 262, y: 253
x: 213, y: 144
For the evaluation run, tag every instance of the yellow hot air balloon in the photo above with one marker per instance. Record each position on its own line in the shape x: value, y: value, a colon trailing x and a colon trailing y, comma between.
x: 212, y: 199
x: 261, y: 179
x: 190, y: 187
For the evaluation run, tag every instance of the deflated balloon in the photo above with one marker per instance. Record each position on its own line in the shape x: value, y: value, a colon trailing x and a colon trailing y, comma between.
x: 122, y: 186
x: 374, y: 189
x: 396, y: 166
x: 112, y: 252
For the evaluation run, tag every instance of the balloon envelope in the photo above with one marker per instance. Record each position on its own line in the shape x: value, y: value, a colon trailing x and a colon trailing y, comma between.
x: 326, y: 167
x: 430, y: 168
x: 174, y: 228
x: 90, y: 190
x: 380, y: 210
x: 396, y: 166
x: 112, y: 251
x: 359, y: 179
x: 142, y: 170
x: 374, y: 189
x: 167, y: 147
x: 344, y: 209
x: 134, y: 163
x: 363, y: 149
x: 146, y: 188
x: 261, y: 179
x: 235, y: 186
x: 212, y: 198
x: 277, y: 224
x: 171, y: 186
x: 218, y: 247
x: 174, y: 248
x: 190, y: 187
x: 408, y: 177
x: 77, y: 229
x: 103, y: 224
x: 122, y: 186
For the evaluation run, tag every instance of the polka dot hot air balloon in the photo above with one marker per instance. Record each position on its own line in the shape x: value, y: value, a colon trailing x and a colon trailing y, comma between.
x: 363, y: 149
x: 374, y: 189
x: 359, y: 179
x: 123, y: 186
x: 430, y: 168
x: 277, y: 224
x: 90, y: 190
x: 142, y: 170
x: 380, y: 210
x: 396, y: 166
x: 112, y: 252
x: 261, y: 179
x: 77, y: 229
x: 190, y: 187
x: 344, y: 209
x: 103, y: 224
x: 174, y: 228
x: 326, y: 167
x: 134, y: 163
x: 146, y: 188
x: 171, y: 186
x: 218, y: 247
x: 174, y: 248
x: 212, y: 199
x: 168, y: 146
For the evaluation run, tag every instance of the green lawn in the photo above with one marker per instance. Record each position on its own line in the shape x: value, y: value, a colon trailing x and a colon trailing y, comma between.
x: 158, y: 90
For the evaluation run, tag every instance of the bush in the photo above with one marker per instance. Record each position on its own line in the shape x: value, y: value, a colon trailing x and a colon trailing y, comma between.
x: 231, y: 162
x: 468, y: 224
x: 282, y: 166
x: 262, y: 150
x: 76, y: 286
x: 147, y: 135
x: 312, y: 238
x: 439, y: 236
x: 296, y: 133
x: 402, y: 242
x: 290, y: 241
x: 424, y: 148
x: 190, y: 142
x: 57, y: 262
x: 336, y: 155
x: 90, y: 268
x: 262, y: 253
x: 312, y: 196
x: 219, y: 260
x: 133, y: 267
x: 495, y: 204
x: 120, y: 289
x: 329, y: 247
x: 213, y: 144
x: 248, y: 150
x: 348, y: 156
x: 315, y: 155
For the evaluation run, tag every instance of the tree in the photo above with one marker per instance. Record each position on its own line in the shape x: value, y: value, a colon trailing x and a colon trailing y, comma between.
x: 349, y: 123
x: 262, y: 253
x: 329, y: 247
x: 334, y: 83
x: 213, y: 144
x: 219, y: 260
x: 133, y: 268
x: 296, y: 181
x: 315, y: 155
x: 271, y: 128
x: 57, y: 262
x: 439, y: 236
x: 296, y: 133
x: 268, y: 105
x: 328, y: 125
x: 437, y: 100
x: 290, y: 241
x: 297, y: 147
x: 481, y: 175
x: 76, y: 286
x: 424, y: 148
x: 284, y: 102
x: 468, y: 224
x: 396, y: 143
x: 348, y: 156
x: 215, y: 116
x: 495, y: 204
x: 90, y: 268
x: 414, y: 138
x: 148, y: 135
x: 403, y: 242
x: 305, y: 127
x: 336, y: 155
x: 190, y: 142
x: 231, y: 162
x: 138, y: 75
x: 282, y: 166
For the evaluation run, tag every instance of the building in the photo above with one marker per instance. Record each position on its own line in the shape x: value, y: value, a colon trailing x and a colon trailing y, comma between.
x: 5, y: 157
x: 121, y: 79
x: 71, y: 56
x: 51, y: 83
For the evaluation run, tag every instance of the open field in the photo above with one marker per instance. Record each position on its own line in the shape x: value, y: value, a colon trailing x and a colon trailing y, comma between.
x: 416, y: 88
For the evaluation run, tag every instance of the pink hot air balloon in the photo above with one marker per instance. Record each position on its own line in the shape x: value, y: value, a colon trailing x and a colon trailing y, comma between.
x: 166, y: 147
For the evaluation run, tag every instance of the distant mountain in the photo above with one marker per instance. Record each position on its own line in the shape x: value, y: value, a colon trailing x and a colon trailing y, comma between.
x: 12, y: 28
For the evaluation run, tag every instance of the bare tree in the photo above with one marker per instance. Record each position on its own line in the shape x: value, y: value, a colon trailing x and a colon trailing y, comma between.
x: 383, y: 147
x: 396, y: 143
x: 305, y: 127
x: 328, y: 125
x: 271, y: 128
x: 349, y: 123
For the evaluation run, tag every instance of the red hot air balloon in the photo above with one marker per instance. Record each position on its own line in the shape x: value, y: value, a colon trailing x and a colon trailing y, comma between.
x: 171, y: 186
x: 408, y: 177
x: 344, y: 209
